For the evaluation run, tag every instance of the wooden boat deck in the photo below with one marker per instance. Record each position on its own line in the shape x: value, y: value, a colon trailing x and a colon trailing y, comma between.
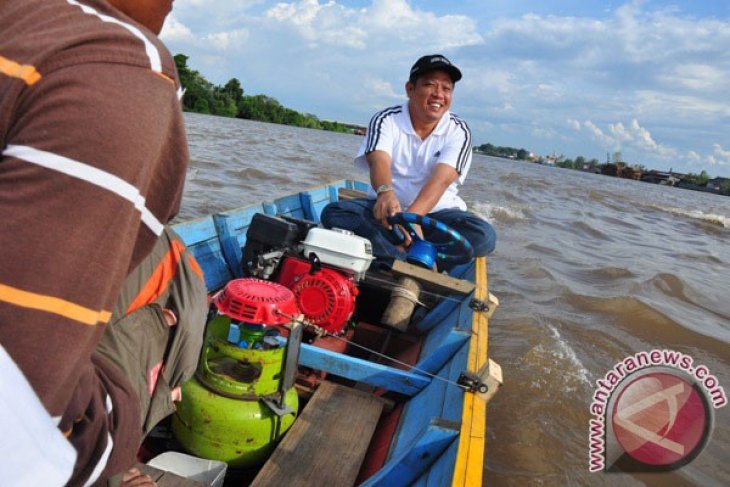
x: 328, y: 441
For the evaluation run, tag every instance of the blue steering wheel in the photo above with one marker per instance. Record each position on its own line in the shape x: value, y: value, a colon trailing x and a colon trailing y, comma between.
x: 454, y: 249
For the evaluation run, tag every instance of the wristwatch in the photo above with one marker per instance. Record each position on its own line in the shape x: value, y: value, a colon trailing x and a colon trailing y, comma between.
x: 383, y: 188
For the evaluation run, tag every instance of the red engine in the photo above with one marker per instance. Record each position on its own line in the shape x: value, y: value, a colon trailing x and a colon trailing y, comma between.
x: 325, y: 297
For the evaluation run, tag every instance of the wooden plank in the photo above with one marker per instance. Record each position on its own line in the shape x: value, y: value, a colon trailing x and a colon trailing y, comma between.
x: 327, y: 443
x: 358, y: 185
x: 411, y: 464
x: 360, y: 370
x: 346, y: 194
x: 433, y: 280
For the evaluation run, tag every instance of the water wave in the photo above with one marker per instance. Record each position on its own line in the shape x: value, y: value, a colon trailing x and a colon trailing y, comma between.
x: 588, y: 230
x: 250, y: 174
x: 557, y: 362
x: 501, y: 214
x: 565, y: 352
x: 719, y: 220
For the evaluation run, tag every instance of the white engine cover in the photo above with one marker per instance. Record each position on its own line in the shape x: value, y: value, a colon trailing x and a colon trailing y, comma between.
x: 339, y: 248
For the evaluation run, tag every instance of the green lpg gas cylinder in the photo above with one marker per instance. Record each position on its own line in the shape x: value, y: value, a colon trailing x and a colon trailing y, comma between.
x: 221, y: 416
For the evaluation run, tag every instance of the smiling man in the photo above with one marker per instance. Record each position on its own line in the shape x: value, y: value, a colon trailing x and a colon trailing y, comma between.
x: 417, y: 154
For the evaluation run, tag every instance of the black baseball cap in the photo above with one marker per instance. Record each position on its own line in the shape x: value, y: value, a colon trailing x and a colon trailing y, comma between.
x: 433, y: 62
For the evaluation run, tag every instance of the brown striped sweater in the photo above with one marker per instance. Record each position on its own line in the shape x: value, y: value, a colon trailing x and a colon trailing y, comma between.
x: 92, y: 165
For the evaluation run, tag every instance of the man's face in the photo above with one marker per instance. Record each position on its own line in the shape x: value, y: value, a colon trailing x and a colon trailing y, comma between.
x: 150, y: 13
x: 430, y: 97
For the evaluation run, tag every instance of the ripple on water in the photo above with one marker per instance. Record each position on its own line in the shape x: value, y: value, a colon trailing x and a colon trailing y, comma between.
x: 500, y: 214
x: 252, y: 175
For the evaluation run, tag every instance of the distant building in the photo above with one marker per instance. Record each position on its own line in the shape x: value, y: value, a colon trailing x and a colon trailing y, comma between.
x: 660, y: 177
x: 717, y: 183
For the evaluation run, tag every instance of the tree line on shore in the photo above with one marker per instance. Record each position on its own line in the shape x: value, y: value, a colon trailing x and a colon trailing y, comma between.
x: 202, y: 96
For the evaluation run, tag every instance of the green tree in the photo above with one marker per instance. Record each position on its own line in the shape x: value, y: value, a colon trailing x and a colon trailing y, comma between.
x: 233, y: 89
x: 700, y: 179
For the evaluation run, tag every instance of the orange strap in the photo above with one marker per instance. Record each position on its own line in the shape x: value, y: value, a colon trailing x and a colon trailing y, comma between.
x: 160, y: 278
x: 24, y: 72
x: 163, y: 275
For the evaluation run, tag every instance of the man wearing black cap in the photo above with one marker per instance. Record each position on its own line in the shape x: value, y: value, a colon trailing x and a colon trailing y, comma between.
x: 417, y: 155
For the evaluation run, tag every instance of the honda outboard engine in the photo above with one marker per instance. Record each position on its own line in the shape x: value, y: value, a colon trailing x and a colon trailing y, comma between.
x: 324, y: 283
x: 322, y: 267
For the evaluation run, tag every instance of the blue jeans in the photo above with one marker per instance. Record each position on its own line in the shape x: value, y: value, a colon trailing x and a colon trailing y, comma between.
x: 357, y: 216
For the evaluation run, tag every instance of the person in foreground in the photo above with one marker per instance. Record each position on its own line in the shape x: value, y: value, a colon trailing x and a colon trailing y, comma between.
x: 417, y: 155
x: 93, y: 160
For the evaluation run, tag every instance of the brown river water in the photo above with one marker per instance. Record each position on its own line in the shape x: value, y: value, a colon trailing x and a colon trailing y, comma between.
x: 589, y: 270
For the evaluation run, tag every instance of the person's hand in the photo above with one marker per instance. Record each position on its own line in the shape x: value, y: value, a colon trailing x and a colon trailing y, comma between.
x: 135, y: 478
x: 386, y: 205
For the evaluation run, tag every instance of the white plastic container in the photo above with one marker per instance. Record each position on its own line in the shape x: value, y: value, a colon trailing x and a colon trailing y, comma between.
x: 339, y: 248
x: 210, y: 472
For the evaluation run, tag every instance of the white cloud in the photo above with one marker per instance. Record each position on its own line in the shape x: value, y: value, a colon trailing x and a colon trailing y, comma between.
x: 175, y: 31
x: 385, y: 22
x: 605, y: 140
x: 693, y: 157
x: 382, y: 89
x: 719, y: 156
x: 545, y: 133
x: 574, y: 124
x: 696, y: 77
x: 224, y: 40
x: 633, y: 137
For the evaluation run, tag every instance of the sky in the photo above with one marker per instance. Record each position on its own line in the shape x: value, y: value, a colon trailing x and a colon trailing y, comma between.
x: 649, y: 79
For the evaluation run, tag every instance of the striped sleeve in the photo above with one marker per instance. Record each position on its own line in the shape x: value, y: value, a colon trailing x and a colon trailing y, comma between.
x: 457, y: 150
x: 379, y: 136
x: 92, y: 169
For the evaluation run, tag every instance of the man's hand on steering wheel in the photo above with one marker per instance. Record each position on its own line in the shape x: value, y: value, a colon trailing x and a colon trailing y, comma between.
x: 452, y: 246
x: 386, y: 205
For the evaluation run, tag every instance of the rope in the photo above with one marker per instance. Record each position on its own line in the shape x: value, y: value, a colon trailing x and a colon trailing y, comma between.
x: 401, y: 292
x: 390, y: 286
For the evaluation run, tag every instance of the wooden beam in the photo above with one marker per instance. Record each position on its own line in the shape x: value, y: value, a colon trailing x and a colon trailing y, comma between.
x: 433, y: 280
x: 327, y: 443
x: 360, y: 370
x: 345, y: 194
